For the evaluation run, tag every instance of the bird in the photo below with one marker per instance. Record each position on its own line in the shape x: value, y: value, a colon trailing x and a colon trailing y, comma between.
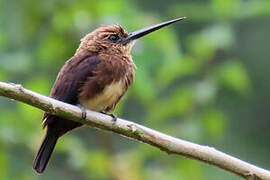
x: 95, y: 78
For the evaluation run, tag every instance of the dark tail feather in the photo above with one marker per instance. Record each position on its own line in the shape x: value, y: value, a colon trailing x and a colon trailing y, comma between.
x: 45, y: 152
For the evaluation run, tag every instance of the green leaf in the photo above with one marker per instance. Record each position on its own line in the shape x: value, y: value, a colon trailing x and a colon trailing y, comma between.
x: 233, y: 75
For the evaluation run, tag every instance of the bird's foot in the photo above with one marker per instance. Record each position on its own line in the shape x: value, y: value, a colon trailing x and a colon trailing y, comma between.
x: 114, y: 117
x: 83, y: 111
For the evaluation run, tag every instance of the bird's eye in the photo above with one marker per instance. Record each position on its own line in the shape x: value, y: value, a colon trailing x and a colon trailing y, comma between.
x: 113, y: 38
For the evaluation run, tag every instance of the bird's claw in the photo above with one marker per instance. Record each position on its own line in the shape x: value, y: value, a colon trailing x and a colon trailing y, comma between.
x: 114, y: 117
x: 83, y: 111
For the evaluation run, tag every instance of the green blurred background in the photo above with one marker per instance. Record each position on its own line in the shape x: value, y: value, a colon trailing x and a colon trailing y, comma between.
x: 204, y: 79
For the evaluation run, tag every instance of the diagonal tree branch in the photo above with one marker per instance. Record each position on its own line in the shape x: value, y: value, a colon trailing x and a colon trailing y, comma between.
x: 138, y: 132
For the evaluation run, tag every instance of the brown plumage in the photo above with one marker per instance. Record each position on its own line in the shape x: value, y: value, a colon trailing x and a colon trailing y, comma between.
x: 96, y: 77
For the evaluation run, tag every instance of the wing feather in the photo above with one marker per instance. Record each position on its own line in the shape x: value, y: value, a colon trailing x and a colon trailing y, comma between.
x: 70, y: 79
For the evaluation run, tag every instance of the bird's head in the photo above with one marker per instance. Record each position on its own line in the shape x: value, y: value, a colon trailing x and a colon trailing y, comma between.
x: 114, y: 39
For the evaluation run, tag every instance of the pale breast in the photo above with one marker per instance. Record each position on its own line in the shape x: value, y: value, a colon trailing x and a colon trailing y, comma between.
x: 107, y: 98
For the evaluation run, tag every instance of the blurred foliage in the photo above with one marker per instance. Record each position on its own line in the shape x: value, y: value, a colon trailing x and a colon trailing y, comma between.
x: 204, y: 79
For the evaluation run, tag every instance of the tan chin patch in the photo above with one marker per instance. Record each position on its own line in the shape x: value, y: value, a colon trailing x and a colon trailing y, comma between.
x: 107, y: 98
x: 130, y: 45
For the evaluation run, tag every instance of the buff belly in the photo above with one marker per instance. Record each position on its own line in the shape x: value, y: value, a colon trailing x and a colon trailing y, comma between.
x: 107, y: 98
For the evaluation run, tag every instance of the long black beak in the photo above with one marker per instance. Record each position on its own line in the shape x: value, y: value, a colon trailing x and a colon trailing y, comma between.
x: 142, y: 32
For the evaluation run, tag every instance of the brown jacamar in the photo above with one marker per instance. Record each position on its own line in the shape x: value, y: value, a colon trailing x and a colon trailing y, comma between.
x: 95, y: 78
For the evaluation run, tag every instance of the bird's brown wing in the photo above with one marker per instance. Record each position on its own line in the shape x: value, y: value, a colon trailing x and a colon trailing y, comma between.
x: 66, y: 88
x: 69, y: 81
x: 72, y: 76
